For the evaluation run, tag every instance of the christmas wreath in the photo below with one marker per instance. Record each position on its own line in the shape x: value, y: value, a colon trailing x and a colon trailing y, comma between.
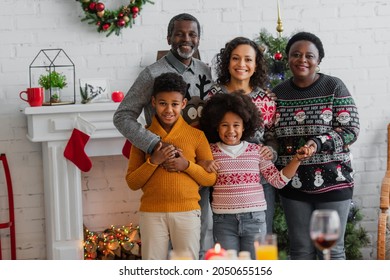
x: 111, y: 21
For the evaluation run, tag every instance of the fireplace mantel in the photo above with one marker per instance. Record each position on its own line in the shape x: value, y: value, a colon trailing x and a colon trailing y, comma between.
x: 52, y: 126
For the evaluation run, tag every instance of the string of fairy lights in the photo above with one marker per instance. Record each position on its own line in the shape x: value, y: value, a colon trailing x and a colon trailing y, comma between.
x: 113, y: 243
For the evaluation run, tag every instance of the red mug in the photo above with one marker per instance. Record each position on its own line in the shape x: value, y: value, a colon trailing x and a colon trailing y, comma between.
x: 34, y: 96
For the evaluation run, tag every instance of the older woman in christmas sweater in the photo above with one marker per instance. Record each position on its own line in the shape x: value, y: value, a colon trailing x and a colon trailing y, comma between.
x: 317, y: 110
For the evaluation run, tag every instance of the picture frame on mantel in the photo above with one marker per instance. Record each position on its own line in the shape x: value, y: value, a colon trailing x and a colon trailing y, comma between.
x: 94, y: 90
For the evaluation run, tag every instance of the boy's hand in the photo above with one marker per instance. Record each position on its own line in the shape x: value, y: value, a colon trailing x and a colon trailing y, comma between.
x: 209, y: 165
x: 161, y: 153
x: 177, y: 162
x: 266, y: 152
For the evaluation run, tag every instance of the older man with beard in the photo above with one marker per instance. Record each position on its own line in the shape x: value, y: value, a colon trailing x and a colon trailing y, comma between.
x: 183, y: 37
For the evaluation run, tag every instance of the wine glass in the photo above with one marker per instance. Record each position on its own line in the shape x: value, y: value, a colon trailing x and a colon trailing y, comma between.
x: 325, y: 230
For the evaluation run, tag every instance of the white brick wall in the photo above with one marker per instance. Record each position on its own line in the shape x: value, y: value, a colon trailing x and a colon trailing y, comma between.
x: 355, y: 33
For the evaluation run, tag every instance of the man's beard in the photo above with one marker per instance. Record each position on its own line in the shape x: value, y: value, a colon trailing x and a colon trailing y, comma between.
x: 186, y: 55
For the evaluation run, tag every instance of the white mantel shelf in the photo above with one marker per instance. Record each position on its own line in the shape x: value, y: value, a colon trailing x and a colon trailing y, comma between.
x: 53, y: 126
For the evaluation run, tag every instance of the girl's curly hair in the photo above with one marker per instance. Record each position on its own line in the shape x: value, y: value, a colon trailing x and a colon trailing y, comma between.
x: 258, y: 79
x: 236, y: 102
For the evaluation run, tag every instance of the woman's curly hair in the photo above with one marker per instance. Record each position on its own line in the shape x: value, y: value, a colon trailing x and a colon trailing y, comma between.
x: 236, y: 102
x: 258, y: 79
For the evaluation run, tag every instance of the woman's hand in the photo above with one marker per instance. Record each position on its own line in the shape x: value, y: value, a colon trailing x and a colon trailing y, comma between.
x: 271, y: 95
x: 312, y: 145
x: 304, y: 152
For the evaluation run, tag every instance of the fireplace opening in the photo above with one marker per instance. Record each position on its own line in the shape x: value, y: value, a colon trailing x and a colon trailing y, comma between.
x: 107, y: 200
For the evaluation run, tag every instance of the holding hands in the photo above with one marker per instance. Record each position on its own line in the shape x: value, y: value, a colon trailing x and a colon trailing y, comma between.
x: 169, y: 157
x: 176, y: 163
x: 304, y: 152
x: 162, y: 152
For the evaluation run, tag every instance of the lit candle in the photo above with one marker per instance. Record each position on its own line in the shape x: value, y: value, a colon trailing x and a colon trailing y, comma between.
x: 216, y: 253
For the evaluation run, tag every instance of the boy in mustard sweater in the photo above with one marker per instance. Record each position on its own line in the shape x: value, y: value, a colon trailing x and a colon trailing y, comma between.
x: 170, y: 177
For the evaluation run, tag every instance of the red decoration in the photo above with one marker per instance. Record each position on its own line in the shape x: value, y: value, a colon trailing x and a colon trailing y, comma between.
x: 74, y: 150
x: 117, y: 96
x: 121, y: 22
x: 92, y: 6
x: 106, y: 26
x: 278, y: 55
x: 126, y: 149
x: 216, y: 253
x: 96, y: 12
x: 99, y: 7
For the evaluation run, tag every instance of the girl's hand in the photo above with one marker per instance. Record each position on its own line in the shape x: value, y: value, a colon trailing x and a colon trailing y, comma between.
x: 209, y: 165
x: 304, y: 152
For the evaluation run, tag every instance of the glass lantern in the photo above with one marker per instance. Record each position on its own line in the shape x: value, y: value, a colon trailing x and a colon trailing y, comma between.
x: 53, y: 70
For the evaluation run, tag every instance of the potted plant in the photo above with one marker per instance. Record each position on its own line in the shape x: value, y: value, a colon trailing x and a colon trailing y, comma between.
x: 54, y: 82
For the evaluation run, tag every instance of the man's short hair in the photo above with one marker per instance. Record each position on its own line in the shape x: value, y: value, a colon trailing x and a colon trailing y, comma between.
x: 179, y: 17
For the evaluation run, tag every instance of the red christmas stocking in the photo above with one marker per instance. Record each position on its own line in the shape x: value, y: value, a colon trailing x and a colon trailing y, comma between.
x: 126, y: 149
x: 74, y: 150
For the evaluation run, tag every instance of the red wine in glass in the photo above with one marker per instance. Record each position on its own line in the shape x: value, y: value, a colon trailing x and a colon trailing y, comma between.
x: 325, y: 230
x: 322, y: 241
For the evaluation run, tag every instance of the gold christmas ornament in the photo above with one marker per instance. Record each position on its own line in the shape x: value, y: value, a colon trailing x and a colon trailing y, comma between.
x: 100, y: 14
x: 279, y: 26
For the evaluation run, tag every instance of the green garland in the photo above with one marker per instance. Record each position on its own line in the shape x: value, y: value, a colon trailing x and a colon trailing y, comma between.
x: 111, y: 21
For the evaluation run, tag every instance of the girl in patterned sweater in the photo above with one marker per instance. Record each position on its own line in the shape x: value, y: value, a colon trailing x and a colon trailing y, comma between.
x: 238, y: 202
x: 241, y: 65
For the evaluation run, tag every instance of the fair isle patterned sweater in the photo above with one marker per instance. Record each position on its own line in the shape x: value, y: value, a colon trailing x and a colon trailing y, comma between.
x: 238, y: 188
x: 326, y: 113
x: 267, y: 109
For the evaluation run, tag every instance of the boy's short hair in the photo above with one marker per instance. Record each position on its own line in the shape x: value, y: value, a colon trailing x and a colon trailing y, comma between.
x: 169, y: 82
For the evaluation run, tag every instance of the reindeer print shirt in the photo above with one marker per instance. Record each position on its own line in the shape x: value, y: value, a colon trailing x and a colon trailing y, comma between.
x: 198, y: 78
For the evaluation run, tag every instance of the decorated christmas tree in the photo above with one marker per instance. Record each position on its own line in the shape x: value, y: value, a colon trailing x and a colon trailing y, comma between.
x: 274, y: 54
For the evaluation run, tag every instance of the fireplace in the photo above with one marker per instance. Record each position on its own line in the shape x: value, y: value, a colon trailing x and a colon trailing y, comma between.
x: 52, y: 126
